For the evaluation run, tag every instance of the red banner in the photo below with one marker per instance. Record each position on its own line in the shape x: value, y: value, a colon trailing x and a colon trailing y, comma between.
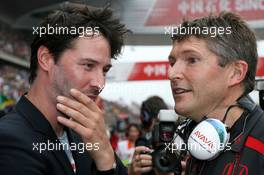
x: 260, y: 67
x: 149, y: 71
x: 168, y: 12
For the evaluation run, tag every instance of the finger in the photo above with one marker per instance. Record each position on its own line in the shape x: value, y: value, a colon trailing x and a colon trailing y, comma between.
x: 76, y: 115
x: 84, y: 99
x: 145, y: 163
x: 75, y: 105
x: 142, y: 162
x: 140, y: 149
x: 77, y: 127
x: 137, y: 157
x: 183, y: 164
x: 145, y: 157
x: 145, y: 169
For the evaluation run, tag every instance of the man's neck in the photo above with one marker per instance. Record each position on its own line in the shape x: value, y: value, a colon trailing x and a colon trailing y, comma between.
x: 39, y: 96
x: 233, y: 114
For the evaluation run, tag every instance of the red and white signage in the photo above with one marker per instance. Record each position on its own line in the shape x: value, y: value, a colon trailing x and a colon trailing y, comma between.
x: 168, y: 12
x: 152, y: 71
x: 139, y: 71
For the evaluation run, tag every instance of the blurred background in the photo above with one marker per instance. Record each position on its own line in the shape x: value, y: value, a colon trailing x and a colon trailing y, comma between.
x: 141, y: 69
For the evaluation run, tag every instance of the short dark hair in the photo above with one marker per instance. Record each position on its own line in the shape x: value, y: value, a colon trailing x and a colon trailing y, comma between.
x: 240, y: 44
x: 131, y: 125
x: 152, y: 106
x: 77, y: 15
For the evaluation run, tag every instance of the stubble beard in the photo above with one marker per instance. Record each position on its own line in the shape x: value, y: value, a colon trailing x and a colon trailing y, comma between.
x: 61, y: 87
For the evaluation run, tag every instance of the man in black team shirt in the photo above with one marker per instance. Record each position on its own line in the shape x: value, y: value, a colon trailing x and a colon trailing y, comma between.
x: 211, y: 75
x: 56, y: 128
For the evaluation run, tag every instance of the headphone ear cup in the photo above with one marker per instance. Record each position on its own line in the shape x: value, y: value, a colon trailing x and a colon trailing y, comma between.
x: 146, y: 117
x: 208, y: 139
x: 222, y: 147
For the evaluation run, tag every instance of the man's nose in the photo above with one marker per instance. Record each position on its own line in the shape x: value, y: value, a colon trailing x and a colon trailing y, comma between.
x: 98, y: 81
x: 176, y: 71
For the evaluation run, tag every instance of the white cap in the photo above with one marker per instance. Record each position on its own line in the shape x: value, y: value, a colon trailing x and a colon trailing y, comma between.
x: 166, y: 115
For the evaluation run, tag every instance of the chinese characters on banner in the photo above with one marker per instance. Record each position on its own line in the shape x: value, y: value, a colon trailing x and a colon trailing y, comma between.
x: 171, y: 12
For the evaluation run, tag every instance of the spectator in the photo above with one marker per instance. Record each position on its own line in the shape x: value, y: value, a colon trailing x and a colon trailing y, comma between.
x: 126, y: 148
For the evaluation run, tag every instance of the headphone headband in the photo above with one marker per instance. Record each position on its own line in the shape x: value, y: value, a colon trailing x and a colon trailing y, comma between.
x: 247, y: 103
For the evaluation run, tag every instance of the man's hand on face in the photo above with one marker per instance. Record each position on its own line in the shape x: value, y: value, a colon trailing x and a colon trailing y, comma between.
x: 87, y: 120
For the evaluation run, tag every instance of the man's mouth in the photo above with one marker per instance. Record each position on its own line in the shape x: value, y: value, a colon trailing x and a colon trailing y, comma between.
x: 178, y: 91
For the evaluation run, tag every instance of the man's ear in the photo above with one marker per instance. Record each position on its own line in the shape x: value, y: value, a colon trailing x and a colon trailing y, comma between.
x: 45, y: 58
x: 238, y: 73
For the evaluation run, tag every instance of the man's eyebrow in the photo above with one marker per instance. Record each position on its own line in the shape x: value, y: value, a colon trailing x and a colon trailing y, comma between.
x: 90, y: 60
x: 188, y: 51
x: 108, y: 66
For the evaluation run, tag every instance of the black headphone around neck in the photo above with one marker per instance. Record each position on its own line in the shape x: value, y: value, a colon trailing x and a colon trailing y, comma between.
x: 209, y: 137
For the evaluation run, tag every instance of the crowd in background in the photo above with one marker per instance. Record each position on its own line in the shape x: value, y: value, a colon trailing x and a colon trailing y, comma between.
x: 13, y: 83
x: 13, y: 80
x: 11, y: 42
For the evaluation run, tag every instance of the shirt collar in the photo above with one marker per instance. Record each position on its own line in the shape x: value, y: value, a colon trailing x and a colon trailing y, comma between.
x: 36, y: 119
x: 242, y: 128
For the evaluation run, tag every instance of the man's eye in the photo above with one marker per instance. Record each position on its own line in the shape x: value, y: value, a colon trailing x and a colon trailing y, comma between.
x: 172, y: 61
x: 192, y: 60
x: 105, y: 71
x: 88, y: 66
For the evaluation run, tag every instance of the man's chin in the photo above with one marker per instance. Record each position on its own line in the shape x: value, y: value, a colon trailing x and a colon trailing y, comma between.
x: 188, y: 114
x: 183, y: 111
